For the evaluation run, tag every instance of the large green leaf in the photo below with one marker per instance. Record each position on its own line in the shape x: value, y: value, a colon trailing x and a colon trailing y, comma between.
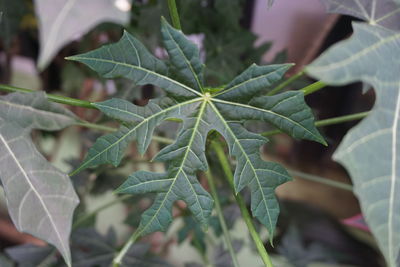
x: 63, y: 21
x: 371, y: 150
x: 377, y: 12
x: 202, y: 110
x: 40, y: 198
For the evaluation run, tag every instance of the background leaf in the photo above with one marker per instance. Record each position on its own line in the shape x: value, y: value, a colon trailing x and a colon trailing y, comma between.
x: 63, y: 21
x: 377, y: 12
x: 370, y: 151
x: 40, y: 198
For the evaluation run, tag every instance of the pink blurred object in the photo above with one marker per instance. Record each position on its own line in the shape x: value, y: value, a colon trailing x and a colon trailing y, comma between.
x: 357, y: 221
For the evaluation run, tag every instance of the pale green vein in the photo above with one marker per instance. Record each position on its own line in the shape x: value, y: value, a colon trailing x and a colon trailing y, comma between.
x: 137, y: 68
x: 195, y: 129
x: 86, y: 163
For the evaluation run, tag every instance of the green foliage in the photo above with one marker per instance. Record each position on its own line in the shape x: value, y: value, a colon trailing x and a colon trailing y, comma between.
x: 40, y: 198
x: 11, y: 13
x: 368, y: 56
x: 222, y: 110
x: 225, y: 54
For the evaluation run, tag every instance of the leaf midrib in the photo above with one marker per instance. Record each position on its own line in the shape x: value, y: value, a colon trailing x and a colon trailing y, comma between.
x: 245, y: 155
x: 353, y: 57
x: 247, y: 81
x: 187, y: 62
x: 199, y: 117
x: 267, y: 111
x: 138, y: 68
x: 46, y: 113
x: 134, y: 129
x: 25, y: 175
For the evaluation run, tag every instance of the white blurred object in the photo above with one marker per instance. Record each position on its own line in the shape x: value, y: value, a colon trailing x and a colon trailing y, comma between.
x: 123, y: 5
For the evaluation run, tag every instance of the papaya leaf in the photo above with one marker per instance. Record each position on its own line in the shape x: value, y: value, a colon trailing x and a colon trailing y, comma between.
x: 202, y: 109
x: 40, y: 198
x: 63, y: 21
x: 370, y: 151
x: 377, y: 12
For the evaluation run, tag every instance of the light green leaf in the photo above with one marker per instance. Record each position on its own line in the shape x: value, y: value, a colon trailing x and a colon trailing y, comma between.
x: 40, y: 198
x: 377, y: 12
x: 33, y: 111
x: 184, y: 55
x: 201, y: 112
x: 63, y: 21
x: 371, y: 150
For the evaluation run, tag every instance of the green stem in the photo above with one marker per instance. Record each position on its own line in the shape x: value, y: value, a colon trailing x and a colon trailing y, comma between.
x: 88, y: 216
x: 173, y: 11
x: 327, y: 122
x: 120, y: 256
x: 242, y: 205
x: 227, y: 236
x: 341, y: 119
x: 286, y: 83
x: 313, y: 87
x: 321, y: 180
x: 55, y: 98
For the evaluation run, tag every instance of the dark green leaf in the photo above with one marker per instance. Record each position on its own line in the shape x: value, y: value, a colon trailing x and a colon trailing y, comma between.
x: 201, y: 112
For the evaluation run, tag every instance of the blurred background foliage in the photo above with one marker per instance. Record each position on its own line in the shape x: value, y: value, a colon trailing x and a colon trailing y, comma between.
x: 222, y: 30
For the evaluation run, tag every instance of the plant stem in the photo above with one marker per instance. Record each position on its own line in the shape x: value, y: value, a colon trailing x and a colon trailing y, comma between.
x: 327, y: 122
x: 83, y: 219
x: 173, y: 11
x: 285, y: 83
x: 341, y: 119
x: 55, y: 98
x: 313, y: 87
x: 242, y: 205
x: 118, y: 259
x: 227, y: 236
x: 321, y: 180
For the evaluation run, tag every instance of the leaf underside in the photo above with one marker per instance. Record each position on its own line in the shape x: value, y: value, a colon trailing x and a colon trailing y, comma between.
x: 40, y: 198
x: 201, y: 112
x: 370, y: 151
x: 63, y: 21
x: 385, y: 13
